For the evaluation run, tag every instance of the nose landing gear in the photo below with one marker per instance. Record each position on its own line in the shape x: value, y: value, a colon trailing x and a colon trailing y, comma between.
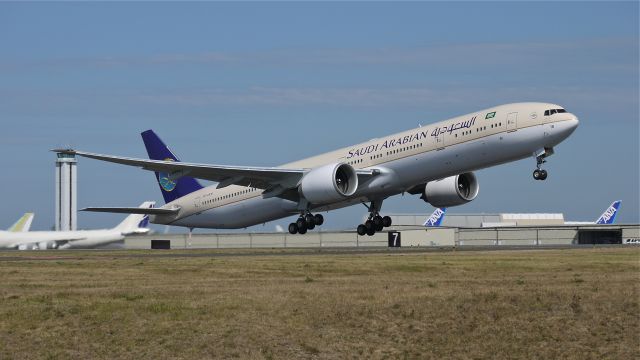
x: 305, y: 222
x: 539, y: 173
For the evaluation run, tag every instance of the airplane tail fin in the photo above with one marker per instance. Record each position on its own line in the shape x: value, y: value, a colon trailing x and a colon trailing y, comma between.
x: 436, y: 218
x: 609, y: 215
x: 23, y: 224
x: 171, y: 188
x: 136, y: 223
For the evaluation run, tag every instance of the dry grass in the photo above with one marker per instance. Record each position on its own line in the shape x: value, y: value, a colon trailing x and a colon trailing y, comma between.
x: 570, y: 304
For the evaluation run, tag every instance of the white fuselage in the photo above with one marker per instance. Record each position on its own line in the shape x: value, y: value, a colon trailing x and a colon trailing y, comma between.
x: 40, y: 240
x: 467, y: 143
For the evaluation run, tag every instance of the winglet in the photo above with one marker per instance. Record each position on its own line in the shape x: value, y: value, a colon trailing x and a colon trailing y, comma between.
x: 609, y: 216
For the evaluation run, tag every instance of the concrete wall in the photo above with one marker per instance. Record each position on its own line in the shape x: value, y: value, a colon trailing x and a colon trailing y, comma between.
x: 510, y: 236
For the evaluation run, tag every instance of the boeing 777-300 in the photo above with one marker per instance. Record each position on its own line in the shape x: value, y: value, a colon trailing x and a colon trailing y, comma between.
x: 436, y: 161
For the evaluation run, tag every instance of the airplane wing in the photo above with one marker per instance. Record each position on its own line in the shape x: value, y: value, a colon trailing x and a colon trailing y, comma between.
x: 259, y: 177
x: 133, y: 210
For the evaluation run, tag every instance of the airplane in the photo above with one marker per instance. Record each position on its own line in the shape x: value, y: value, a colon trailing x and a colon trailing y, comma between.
x: 436, y: 161
x: 23, y: 224
x: 435, y: 220
x: 608, y: 217
x: 41, y: 240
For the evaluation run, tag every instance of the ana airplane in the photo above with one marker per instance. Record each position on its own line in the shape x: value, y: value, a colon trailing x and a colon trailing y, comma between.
x: 41, y: 240
x: 23, y: 224
x: 436, y: 161
x: 436, y: 218
x: 608, y: 217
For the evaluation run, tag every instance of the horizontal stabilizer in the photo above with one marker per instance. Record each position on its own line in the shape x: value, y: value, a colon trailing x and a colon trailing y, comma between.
x: 134, y: 210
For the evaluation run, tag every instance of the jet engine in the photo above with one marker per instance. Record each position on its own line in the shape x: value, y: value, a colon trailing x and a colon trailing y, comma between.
x: 329, y: 183
x: 451, y: 191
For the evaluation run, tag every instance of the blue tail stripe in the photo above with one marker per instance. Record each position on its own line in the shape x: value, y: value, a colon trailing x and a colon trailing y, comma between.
x: 436, y: 218
x: 171, y: 189
x: 145, y: 222
x: 609, y: 216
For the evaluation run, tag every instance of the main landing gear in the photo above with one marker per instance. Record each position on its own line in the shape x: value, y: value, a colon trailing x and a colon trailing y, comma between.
x: 305, y: 222
x: 374, y: 222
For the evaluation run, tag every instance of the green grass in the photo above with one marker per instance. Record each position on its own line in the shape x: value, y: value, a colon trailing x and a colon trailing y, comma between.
x: 570, y: 304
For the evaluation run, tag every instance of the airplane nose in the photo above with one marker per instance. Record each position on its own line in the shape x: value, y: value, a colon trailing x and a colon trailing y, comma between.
x: 574, y: 122
x: 567, y: 127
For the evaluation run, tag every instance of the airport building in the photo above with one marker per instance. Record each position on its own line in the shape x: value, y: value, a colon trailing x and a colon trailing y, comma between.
x: 482, y: 220
x: 401, y: 236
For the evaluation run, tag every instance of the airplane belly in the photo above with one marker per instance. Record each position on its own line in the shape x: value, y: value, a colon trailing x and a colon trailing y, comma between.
x: 241, y: 214
x: 470, y: 156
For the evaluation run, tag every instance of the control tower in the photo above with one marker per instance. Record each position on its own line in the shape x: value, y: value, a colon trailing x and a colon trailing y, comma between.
x: 66, y: 192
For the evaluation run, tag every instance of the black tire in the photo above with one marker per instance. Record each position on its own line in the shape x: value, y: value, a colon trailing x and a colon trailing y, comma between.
x: 301, y: 223
x: 318, y: 219
x: 311, y: 225
x: 369, y: 224
x: 362, y: 230
x: 543, y: 175
x: 379, y: 227
x: 536, y: 174
x: 386, y: 221
x: 302, y: 231
x: 293, y: 228
x: 377, y: 221
x: 371, y: 231
x: 310, y: 220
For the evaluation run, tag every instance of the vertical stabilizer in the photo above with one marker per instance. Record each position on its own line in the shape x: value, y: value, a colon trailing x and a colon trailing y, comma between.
x: 436, y: 218
x: 23, y: 224
x: 171, y: 188
x: 136, y: 223
x: 609, y: 215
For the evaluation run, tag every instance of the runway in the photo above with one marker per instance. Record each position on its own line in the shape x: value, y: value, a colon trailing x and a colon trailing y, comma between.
x: 93, y: 254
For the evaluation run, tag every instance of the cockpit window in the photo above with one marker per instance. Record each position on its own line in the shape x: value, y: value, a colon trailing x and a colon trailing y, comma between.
x: 554, y: 111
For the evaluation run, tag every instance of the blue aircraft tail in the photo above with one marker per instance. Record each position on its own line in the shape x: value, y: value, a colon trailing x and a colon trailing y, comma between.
x: 171, y: 188
x: 144, y: 222
x: 436, y: 218
x: 609, y: 215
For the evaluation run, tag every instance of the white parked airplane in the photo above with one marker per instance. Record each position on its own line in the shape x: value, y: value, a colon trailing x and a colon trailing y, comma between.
x: 23, y: 224
x: 608, y: 217
x: 436, y: 161
x: 41, y: 240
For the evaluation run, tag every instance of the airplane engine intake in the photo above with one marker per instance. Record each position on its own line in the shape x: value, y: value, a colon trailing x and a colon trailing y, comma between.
x: 451, y: 191
x: 329, y: 183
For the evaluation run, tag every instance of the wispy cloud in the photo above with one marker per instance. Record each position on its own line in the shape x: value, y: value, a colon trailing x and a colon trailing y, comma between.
x: 476, y: 54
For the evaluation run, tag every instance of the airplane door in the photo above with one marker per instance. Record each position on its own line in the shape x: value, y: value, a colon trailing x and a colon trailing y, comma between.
x: 439, y: 141
x: 512, y: 121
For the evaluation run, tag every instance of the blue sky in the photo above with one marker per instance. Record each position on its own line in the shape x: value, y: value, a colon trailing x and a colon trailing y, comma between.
x: 268, y: 83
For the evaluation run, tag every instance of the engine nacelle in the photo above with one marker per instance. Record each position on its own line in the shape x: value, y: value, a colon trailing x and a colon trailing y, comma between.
x: 329, y: 183
x: 451, y: 191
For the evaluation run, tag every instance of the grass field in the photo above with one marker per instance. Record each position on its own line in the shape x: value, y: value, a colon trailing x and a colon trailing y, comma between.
x: 569, y: 304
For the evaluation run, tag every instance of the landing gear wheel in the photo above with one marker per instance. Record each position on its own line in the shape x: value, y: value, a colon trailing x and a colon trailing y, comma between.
x: 293, y: 228
x: 386, y: 221
x: 537, y: 174
x: 310, y: 220
x: 369, y: 225
x: 377, y: 220
x: 543, y: 174
x: 318, y: 219
x: 371, y: 231
x: 362, y: 230
x: 302, y: 231
x: 300, y: 223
